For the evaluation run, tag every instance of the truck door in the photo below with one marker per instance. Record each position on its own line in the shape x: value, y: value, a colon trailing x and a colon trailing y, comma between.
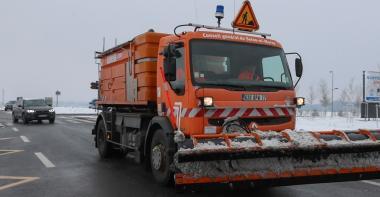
x: 178, y: 93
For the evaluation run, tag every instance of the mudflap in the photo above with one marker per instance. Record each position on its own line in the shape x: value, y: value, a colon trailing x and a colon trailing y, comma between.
x: 279, y: 158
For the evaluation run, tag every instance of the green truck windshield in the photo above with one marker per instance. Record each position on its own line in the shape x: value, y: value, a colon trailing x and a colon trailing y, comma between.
x: 235, y: 64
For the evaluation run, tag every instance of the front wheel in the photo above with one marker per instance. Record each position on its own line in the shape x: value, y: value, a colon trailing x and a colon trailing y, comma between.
x: 25, y: 120
x: 15, y: 120
x: 51, y: 121
x: 161, y: 159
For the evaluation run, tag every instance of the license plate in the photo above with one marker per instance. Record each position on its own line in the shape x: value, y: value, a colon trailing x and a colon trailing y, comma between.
x: 254, y: 97
x: 42, y: 116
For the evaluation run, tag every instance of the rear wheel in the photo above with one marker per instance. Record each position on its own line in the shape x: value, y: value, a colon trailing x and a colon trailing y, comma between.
x: 104, y: 147
x: 161, y: 159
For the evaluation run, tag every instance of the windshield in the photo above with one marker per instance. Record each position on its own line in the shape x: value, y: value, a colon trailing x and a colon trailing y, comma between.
x: 222, y: 63
x: 37, y: 102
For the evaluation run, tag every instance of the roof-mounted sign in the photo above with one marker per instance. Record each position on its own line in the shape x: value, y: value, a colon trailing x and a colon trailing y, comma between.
x: 246, y: 19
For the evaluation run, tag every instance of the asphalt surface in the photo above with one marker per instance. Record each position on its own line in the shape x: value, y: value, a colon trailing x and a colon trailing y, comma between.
x: 60, y: 160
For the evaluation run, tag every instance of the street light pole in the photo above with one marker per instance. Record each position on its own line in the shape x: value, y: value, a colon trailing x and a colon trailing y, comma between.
x: 57, y: 93
x: 3, y: 94
x: 332, y: 93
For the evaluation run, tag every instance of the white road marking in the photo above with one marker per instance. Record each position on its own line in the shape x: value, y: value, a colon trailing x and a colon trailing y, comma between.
x: 25, y: 139
x: 64, y: 117
x: 44, y: 160
x: 372, y: 183
x: 86, y: 121
x: 7, y: 138
x: 15, y: 129
x: 20, y: 181
x: 7, y: 152
x: 72, y: 121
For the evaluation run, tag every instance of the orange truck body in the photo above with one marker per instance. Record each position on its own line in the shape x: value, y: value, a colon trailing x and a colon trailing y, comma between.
x: 137, y: 102
x: 117, y: 68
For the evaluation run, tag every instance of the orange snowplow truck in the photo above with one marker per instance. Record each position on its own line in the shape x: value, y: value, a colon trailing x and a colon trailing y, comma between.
x: 218, y: 105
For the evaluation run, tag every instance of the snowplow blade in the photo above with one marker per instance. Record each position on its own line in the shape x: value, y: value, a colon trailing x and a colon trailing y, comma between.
x: 279, y: 158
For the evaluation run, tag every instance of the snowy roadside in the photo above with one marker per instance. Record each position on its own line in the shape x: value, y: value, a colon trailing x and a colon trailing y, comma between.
x: 337, y: 123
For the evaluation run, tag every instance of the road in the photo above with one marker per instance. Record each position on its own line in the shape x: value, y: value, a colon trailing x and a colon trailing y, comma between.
x: 60, y: 160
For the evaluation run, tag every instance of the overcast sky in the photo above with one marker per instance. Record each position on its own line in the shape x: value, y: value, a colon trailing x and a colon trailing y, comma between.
x: 47, y: 45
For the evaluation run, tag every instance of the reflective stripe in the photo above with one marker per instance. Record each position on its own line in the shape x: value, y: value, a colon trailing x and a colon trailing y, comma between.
x: 268, y: 112
x: 194, y: 112
x: 232, y: 112
x: 279, y: 112
x: 225, y: 113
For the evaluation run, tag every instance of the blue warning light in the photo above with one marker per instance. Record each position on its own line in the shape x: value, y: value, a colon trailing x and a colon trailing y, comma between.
x: 219, y: 11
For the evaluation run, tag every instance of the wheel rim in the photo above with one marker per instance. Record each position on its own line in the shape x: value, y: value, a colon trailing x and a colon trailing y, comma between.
x: 157, y: 157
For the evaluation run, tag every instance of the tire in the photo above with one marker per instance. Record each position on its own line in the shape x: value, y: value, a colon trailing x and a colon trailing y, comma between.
x: 161, y: 159
x: 104, y: 147
x: 25, y: 121
x: 39, y: 121
x: 51, y: 121
x: 14, y: 119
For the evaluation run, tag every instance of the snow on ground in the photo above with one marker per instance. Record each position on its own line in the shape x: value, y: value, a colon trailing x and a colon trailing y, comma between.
x: 338, y: 123
x: 74, y: 110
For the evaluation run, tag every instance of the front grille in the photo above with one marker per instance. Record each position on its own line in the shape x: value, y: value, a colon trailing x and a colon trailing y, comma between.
x: 42, y: 112
x: 259, y: 121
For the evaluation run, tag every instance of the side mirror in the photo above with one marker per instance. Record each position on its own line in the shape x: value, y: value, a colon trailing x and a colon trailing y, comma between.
x: 170, y: 67
x: 299, y: 67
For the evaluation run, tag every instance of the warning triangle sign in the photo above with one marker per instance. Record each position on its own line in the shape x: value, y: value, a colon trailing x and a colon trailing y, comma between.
x: 246, y: 19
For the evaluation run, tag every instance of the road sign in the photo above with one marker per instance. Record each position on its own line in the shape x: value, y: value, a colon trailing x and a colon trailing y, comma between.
x: 372, y: 87
x: 246, y: 19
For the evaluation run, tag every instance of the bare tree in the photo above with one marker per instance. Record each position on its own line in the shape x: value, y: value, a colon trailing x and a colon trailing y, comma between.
x: 344, y: 97
x: 311, y: 95
x: 351, y: 96
x: 357, y: 100
x: 325, y: 99
x: 344, y: 100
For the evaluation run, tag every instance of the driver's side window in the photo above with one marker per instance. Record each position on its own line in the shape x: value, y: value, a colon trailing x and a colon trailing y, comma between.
x: 273, y: 69
x: 179, y: 84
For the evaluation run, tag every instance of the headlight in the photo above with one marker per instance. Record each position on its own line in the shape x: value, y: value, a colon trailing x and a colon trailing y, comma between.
x: 207, y: 102
x: 300, y: 101
x: 51, y: 110
x: 30, y: 111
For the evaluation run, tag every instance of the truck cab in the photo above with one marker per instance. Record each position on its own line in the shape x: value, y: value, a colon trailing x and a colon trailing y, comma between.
x: 214, y: 77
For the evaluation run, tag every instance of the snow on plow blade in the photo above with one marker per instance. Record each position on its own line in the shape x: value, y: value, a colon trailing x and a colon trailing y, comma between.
x: 281, y: 158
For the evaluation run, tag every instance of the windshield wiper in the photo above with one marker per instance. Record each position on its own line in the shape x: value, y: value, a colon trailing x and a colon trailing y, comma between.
x: 227, y: 86
x: 264, y: 88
